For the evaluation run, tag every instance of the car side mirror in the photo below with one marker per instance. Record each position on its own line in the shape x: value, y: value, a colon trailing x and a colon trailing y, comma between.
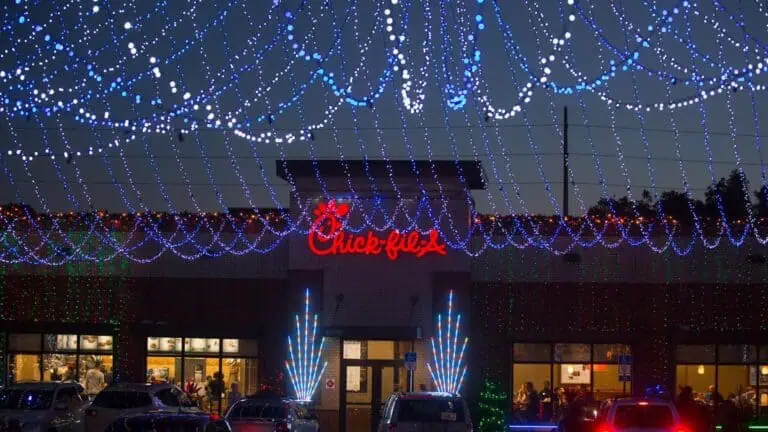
x: 61, y: 405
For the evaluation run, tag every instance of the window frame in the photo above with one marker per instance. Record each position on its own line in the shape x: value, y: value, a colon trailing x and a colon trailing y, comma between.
x: 184, y: 354
x: 44, y: 349
x: 552, y: 362
x: 756, y: 363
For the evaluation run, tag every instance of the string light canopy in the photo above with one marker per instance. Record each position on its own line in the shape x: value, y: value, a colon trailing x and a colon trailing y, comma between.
x: 170, y: 115
x: 448, y: 366
x: 305, y: 362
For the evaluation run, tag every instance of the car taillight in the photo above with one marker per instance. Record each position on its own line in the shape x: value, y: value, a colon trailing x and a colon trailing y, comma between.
x: 90, y: 412
x: 681, y: 429
x: 282, y: 427
x: 604, y: 428
x: 214, y: 417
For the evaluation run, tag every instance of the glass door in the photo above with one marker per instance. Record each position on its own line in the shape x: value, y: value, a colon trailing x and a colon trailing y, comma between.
x: 391, y: 379
x: 359, y: 393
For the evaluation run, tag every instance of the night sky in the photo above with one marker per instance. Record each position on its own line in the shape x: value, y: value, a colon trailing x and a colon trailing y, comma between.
x: 519, y: 154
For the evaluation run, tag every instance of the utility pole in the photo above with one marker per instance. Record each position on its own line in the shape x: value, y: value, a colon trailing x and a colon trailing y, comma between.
x: 565, y: 161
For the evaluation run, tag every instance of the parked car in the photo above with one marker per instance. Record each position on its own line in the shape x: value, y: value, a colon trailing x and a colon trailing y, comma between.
x: 169, y: 422
x: 425, y: 411
x: 581, y: 415
x: 39, y: 406
x: 271, y: 414
x: 125, y: 399
x: 646, y: 414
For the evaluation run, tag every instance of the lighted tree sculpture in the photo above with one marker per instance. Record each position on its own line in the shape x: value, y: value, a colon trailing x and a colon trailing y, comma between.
x: 448, y: 366
x: 305, y: 365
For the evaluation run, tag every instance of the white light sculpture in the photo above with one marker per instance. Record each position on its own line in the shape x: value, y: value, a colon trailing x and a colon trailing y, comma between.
x: 449, y: 368
x: 304, y: 365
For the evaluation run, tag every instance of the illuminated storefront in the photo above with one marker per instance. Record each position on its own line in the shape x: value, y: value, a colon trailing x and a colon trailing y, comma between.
x: 737, y: 372
x: 205, y: 368
x: 87, y: 359
x: 573, y: 367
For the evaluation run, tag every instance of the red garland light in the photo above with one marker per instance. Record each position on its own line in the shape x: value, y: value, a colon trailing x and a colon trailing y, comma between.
x: 327, y: 237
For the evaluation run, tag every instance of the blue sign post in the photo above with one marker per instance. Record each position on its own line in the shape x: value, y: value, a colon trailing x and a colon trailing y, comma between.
x: 625, y: 371
x: 410, y: 366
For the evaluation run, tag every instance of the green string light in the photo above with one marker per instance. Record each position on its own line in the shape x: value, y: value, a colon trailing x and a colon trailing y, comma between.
x: 491, y: 408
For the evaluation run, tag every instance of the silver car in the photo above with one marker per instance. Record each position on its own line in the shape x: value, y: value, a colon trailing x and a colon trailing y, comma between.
x: 425, y: 412
x: 44, y: 407
x: 271, y: 414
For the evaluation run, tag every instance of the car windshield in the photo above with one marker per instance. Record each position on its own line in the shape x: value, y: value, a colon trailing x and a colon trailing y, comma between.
x: 643, y: 416
x: 258, y: 410
x: 430, y: 410
x: 16, y: 398
x: 122, y: 399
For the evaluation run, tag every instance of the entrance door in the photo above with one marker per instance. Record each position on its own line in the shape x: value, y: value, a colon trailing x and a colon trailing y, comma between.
x: 366, y: 396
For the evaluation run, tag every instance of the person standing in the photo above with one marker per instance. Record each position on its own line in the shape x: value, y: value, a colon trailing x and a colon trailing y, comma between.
x: 547, y: 403
x: 94, y: 382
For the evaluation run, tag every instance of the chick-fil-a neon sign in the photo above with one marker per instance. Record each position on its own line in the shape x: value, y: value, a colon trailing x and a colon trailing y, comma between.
x: 327, y: 237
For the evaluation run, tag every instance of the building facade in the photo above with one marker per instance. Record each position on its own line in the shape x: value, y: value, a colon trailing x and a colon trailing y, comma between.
x: 531, y: 316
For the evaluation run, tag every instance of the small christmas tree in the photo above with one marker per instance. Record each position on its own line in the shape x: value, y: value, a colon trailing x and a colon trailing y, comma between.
x: 491, y: 408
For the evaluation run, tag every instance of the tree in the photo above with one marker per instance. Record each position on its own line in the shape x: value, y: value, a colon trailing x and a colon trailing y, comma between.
x: 728, y: 193
x: 491, y: 408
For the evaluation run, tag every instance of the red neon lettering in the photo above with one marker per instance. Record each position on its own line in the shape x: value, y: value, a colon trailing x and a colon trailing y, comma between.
x: 327, y: 237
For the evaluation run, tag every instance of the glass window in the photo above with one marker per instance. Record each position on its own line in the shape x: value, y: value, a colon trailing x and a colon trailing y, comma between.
x: 24, y: 342
x: 696, y: 354
x: 118, y: 399
x: 164, y: 370
x: 204, y: 373
x: 430, y: 411
x: 606, y: 382
x: 59, y: 367
x: 381, y: 350
x: 164, y: 344
x: 60, y: 342
x: 576, y: 353
x: 24, y: 367
x: 764, y: 353
x: 202, y: 345
x: 25, y: 399
x: 701, y: 378
x: 353, y: 350
x: 643, y: 417
x: 733, y: 381
x: 168, y: 398
x: 240, y: 378
x: 573, y: 376
x: 610, y: 353
x: 531, y: 352
x: 357, y: 379
x: 95, y: 372
x: 743, y: 354
x: 95, y: 343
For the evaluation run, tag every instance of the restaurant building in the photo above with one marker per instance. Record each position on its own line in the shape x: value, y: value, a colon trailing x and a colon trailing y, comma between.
x: 607, y: 321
